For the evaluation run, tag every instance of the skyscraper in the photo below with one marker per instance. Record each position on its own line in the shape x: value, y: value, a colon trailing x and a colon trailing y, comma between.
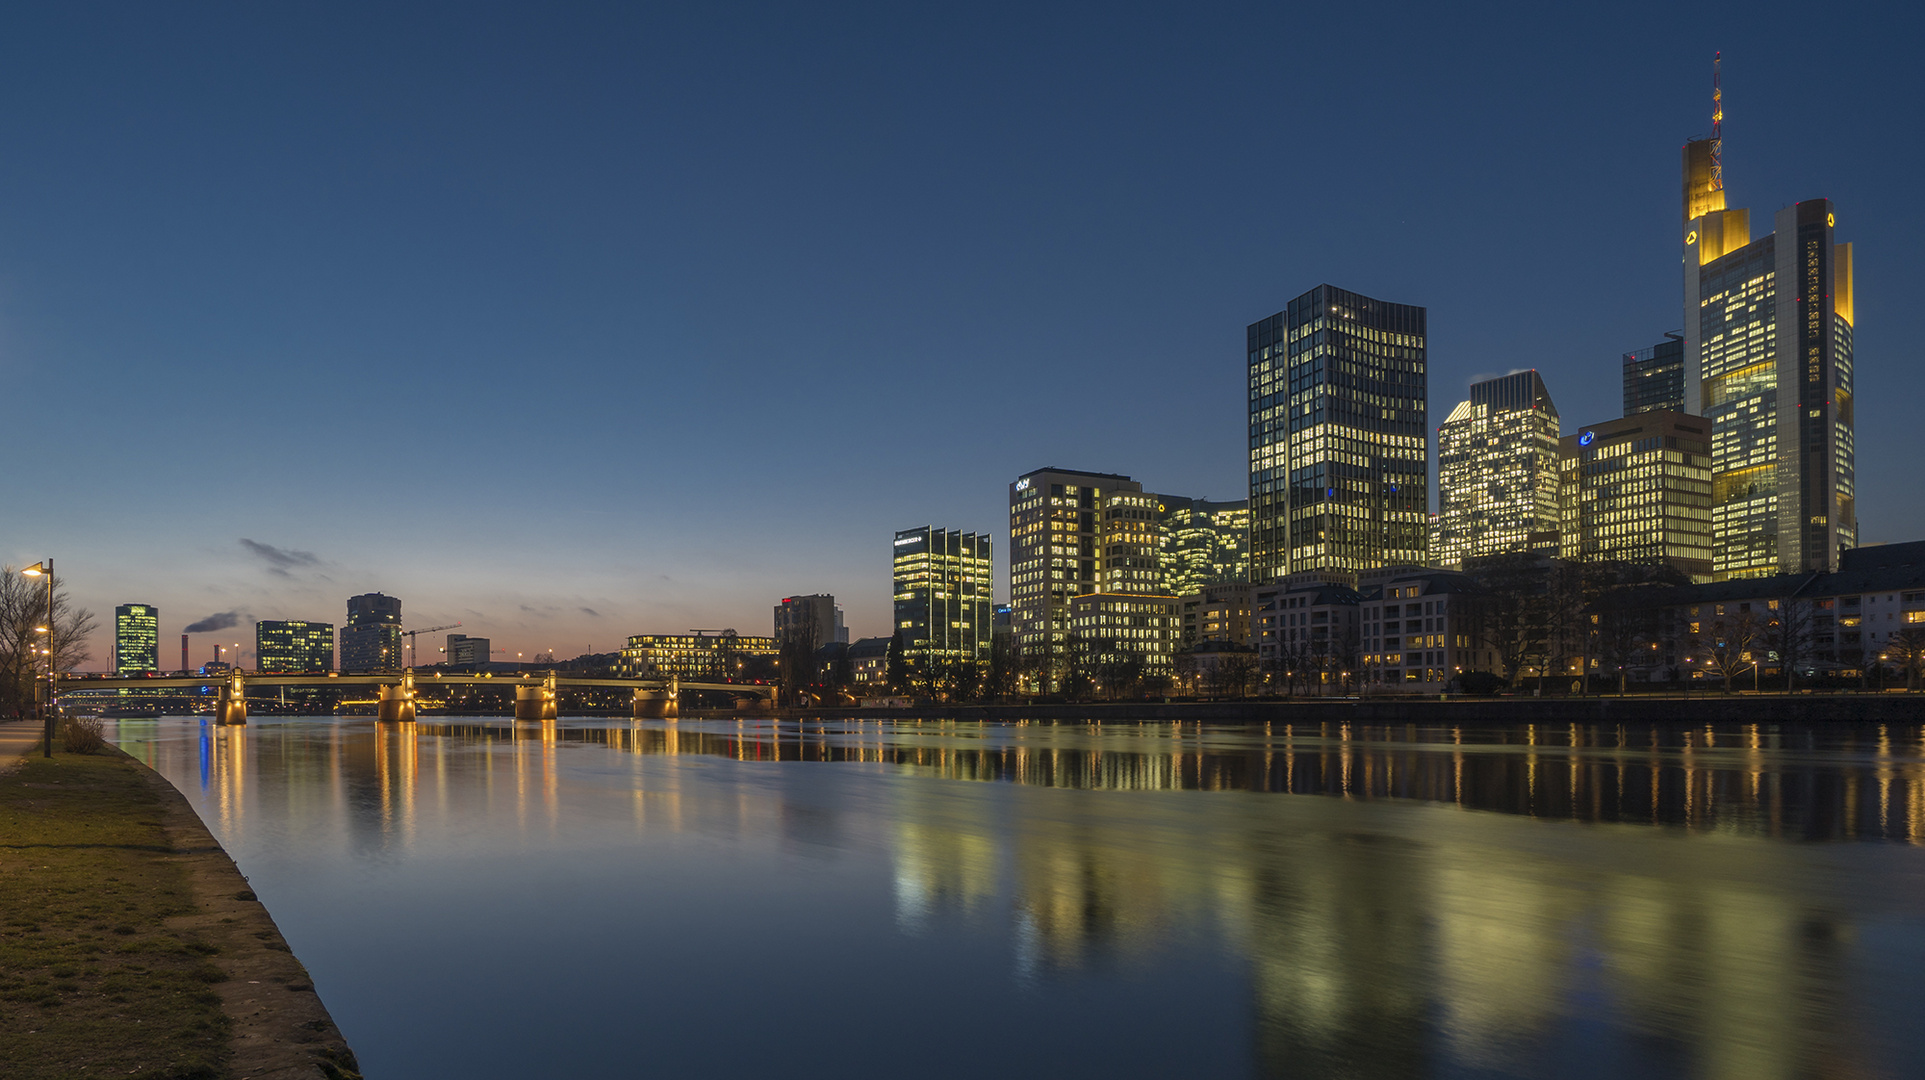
x: 1768, y: 360
x: 371, y: 640
x: 1339, y: 443
x: 1497, y: 472
x: 1654, y: 377
x: 1055, y: 536
x: 136, y: 639
x: 943, y: 586
x: 294, y: 646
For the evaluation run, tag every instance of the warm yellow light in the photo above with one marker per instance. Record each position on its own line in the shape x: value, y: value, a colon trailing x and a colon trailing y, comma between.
x: 35, y: 570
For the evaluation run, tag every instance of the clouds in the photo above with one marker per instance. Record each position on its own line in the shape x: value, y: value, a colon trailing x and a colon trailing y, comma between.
x: 220, y: 620
x: 279, y: 560
x: 590, y: 612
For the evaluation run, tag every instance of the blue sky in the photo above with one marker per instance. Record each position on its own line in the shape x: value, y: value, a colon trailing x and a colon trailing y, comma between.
x: 569, y: 322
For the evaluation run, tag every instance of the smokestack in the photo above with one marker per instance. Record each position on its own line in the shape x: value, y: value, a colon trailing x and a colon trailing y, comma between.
x: 184, y: 669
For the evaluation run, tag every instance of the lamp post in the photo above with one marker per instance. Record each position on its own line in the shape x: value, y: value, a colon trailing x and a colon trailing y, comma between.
x: 44, y: 568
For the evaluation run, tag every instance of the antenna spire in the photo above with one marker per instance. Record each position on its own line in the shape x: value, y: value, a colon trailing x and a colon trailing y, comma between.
x: 1717, y: 122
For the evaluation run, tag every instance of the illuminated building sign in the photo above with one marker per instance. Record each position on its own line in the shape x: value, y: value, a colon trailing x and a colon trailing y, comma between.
x: 1587, y: 438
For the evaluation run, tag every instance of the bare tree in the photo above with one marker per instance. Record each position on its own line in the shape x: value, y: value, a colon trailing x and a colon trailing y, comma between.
x: 1788, y: 633
x: 1906, y: 648
x: 23, y: 608
x: 1728, y: 647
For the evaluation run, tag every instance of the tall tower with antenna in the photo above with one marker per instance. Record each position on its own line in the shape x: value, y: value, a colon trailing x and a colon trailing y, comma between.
x: 1768, y: 363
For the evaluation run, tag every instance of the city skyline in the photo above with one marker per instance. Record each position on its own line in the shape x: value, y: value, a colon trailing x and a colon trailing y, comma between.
x: 564, y: 543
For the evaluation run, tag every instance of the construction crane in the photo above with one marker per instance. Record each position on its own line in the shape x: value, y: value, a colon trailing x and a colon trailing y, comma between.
x: 409, y: 634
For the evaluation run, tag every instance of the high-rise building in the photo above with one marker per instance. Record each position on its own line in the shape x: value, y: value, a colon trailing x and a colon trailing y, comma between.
x: 944, y: 582
x: 1203, y: 543
x: 1129, y: 556
x: 1768, y: 329
x: 371, y: 640
x: 467, y: 651
x: 136, y: 639
x: 1055, y: 540
x: 293, y: 646
x: 1638, y: 490
x: 1497, y: 472
x: 1339, y: 444
x: 1654, y: 377
x: 815, y: 616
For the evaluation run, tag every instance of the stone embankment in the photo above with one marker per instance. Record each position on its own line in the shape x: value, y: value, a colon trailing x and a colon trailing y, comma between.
x: 130, y: 944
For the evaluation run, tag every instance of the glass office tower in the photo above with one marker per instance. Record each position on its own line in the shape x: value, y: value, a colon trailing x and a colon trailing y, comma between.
x: 371, y: 641
x: 1202, y: 543
x: 943, y: 587
x: 1339, y: 444
x: 1497, y: 472
x: 1654, y: 377
x: 1055, y: 537
x: 136, y: 639
x: 1768, y: 360
x: 294, y: 646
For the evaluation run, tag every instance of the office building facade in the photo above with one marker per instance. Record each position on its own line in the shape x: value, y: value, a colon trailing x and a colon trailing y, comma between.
x: 1768, y: 361
x: 1203, y: 543
x: 1654, y: 377
x: 1638, y: 489
x: 136, y: 639
x: 1339, y: 442
x: 944, y: 584
x: 293, y: 646
x: 1497, y: 472
x: 1055, y: 541
x: 816, y: 617
x: 713, y: 657
x: 467, y: 651
x: 371, y: 640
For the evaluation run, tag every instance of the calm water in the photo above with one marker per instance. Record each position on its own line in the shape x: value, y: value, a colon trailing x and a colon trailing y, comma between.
x: 481, y: 898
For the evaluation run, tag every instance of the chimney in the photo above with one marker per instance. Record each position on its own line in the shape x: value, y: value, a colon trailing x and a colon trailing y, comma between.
x: 184, y: 668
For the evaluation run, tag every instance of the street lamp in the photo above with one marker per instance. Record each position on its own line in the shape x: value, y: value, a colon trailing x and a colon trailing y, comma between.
x: 44, y: 568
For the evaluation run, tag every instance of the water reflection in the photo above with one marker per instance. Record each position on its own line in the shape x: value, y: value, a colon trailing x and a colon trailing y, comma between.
x: 1366, y: 934
x: 1836, y: 782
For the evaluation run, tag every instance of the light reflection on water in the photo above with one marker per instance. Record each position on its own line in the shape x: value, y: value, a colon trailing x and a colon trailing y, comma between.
x: 486, y: 898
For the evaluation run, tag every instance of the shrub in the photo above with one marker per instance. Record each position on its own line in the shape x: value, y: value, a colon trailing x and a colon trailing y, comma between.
x: 82, y: 735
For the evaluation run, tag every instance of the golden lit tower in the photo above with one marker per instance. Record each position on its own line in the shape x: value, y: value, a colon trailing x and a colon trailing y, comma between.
x: 1768, y: 360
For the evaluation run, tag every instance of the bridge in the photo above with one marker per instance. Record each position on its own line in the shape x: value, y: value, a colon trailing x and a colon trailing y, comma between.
x: 537, y: 697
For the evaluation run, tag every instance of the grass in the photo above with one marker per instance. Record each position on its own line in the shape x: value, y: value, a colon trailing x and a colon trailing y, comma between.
x: 92, y: 983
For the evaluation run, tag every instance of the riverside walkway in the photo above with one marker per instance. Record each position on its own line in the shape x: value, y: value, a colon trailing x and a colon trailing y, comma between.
x: 134, y: 946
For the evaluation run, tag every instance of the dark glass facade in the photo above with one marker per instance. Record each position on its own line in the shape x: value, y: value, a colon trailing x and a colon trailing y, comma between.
x: 1654, y: 377
x: 1339, y: 436
x: 943, y: 585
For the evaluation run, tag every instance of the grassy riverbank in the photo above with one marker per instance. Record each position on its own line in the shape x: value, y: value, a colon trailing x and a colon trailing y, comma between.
x: 92, y: 981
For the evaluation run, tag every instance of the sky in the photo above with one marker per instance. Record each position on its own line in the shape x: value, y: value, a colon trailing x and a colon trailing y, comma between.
x: 568, y: 322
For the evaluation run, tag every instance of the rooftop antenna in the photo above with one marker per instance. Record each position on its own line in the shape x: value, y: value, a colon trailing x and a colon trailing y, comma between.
x: 1717, y: 123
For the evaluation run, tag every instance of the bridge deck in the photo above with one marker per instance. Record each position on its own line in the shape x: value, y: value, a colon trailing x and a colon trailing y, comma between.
x: 68, y: 685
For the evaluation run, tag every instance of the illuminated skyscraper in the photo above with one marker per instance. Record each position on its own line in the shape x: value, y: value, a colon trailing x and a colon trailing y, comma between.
x: 294, y: 646
x: 1768, y: 360
x: 1654, y: 377
x: 1339, y: 443
x: 1203, y: 543
x: 943, y: 591
x: 136, y: 639
x: 1497, y: 472
x: 1055, y: 541
x: 371, y: 641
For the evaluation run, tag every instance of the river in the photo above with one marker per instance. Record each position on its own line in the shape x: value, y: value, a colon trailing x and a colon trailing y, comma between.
x: 742, y: 898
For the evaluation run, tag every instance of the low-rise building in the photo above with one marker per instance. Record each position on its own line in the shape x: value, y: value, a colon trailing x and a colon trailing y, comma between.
x: 1423, y: 629
x: 1308, y: 634
x: 1216, y: 613
x: 1135, y: 631
x: 869, y: 662
x: 696, y: 656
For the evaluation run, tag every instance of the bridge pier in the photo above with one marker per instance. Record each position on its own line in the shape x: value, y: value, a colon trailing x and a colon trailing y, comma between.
x: 232, y: 705
x: 663, y: 704
x: 397, y: 700
x: 536, y: 702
